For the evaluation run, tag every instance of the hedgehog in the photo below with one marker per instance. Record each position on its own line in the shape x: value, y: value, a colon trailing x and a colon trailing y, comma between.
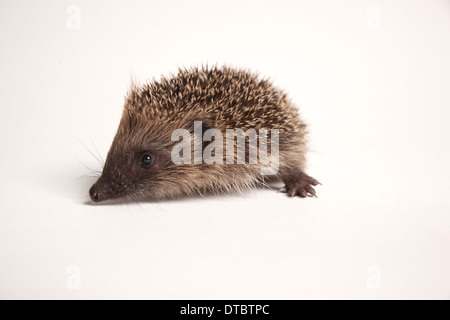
x: 143, y: 164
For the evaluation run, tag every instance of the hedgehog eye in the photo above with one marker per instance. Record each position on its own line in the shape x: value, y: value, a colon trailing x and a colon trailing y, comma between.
x: 147, y: 160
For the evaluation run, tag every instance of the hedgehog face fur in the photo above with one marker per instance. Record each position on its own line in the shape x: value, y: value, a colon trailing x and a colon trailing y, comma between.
x: 132, y: 171
x: 139, y: 163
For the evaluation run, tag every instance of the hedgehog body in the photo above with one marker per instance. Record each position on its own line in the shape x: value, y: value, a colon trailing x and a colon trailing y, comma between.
x: 140, y: 162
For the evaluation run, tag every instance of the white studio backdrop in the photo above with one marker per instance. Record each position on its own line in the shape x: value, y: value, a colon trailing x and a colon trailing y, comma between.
x: 370, y: 77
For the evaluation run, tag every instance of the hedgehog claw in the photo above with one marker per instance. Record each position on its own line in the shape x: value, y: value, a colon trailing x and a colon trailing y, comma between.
x: 300, y: 185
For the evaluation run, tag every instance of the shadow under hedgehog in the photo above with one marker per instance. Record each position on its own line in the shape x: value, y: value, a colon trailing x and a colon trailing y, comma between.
x: 140, y: 165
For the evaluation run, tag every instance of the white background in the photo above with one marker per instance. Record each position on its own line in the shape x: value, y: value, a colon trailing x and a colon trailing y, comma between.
x: 370, y: 77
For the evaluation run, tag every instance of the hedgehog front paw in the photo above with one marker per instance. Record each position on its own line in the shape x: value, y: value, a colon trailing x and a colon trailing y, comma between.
x: 301, y: 186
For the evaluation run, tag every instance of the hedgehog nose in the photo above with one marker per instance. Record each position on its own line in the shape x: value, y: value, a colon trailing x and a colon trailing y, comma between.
x: 95, y: 194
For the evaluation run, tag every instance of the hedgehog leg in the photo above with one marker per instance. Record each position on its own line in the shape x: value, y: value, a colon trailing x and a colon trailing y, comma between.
x: 298, y: 183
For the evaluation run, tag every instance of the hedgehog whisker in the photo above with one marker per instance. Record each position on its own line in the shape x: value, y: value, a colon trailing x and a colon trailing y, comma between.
x: 86, y: 176
x: 92, y: 171
x: 99, y: 155
x: 92, y: 154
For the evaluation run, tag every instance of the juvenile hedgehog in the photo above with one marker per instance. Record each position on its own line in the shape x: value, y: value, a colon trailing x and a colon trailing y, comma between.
x: 140, y: 164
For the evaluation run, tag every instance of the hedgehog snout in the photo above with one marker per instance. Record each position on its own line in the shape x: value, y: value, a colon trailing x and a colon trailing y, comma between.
x: 95, y: 194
